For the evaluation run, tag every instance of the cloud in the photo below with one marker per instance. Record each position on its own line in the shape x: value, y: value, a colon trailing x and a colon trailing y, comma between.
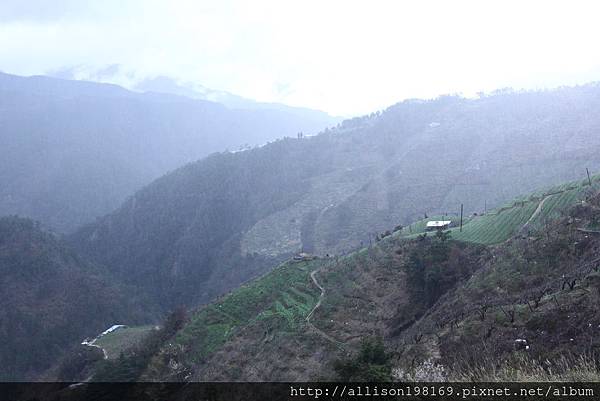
x: 345, y: 57
x: 51, y: 11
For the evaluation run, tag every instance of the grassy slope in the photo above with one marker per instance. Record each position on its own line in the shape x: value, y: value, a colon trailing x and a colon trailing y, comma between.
x: 122, y: 339
x: 277, y: 302
x: 523, y: 293
x: 500, y: 224
x: 282, y: 298
x: 260, y: 333
x: 266, y: 318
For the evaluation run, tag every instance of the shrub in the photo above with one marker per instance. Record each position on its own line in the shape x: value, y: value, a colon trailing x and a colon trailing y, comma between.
x: 372, y: 364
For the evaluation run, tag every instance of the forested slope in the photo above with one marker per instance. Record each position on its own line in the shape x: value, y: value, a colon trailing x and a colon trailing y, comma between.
x: 73, y: 151
x: 210, y: 225
x: 52, y: 299
x: 521, y: 310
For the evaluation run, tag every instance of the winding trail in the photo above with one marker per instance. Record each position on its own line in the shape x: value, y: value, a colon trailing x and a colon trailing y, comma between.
x: 313, y: 276
x: 535, y: 213
x: 91, y: 344
x: 314, y: 279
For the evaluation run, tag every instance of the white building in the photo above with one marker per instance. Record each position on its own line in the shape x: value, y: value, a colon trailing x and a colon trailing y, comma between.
x: 438, y: 225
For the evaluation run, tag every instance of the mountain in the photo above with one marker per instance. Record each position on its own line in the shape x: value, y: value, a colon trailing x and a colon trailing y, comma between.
x: 73, y: 150
x: 163, y: 84
x: 205, y: 228
x: 415, y: 309
x: 51, y: 300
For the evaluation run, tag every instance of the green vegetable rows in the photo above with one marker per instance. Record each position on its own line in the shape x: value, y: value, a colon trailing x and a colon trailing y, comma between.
x: 283, y: 297
x: 497, y: 226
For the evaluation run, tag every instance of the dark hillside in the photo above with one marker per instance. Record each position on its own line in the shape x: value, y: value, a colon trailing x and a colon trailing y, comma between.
x: 180, y: 237
x: 536, y: 297
x: 51, y: 300
x: 521, y: 310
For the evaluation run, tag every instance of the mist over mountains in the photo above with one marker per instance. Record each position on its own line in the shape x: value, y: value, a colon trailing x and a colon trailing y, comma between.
x: 73, y: 150
x: 208, y: 226
x: 84, y: 158
x: 163, y: 84
x: 199, y: 195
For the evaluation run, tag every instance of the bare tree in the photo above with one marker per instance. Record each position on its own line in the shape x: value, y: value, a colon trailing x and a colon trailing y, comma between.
x: 489, y: 332
x: 569, y: 282
x: 536, y: 297
x: 509, y: 311
x: 482, y: 308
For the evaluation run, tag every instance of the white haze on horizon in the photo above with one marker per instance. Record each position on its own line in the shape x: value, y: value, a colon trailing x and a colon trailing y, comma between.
x: 343, y: 57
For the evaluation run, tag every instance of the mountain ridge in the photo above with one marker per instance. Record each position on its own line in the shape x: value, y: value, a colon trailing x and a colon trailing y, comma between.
x: 164, y: 84
x: 73, y: 151
x: 225, y: 216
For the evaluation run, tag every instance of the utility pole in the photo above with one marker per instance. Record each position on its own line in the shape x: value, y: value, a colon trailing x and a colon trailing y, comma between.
x: 485, y: 207
x: 588, y: 174
x: 461, y: 216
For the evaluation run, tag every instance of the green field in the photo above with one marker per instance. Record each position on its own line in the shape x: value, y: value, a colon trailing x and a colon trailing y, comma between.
x: 282, y: 299
x: 122, y: 339
x: 500, y: 224
x: 491, y: 228
x: 287, y: 295
x: 495, y: 228
x: 419, y: 226
x: 555, y: 205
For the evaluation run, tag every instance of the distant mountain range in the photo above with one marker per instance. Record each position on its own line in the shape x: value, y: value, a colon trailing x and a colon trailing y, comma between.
x: 205, y: 229
x: 163, y: 84
x: 73, y: 150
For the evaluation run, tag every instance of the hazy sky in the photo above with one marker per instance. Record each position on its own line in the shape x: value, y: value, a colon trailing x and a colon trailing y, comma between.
x: 344, y: 57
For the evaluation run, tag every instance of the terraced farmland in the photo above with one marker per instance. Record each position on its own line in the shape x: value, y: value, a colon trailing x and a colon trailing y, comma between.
x: 280, y: 301
x: 500, y: 224
x: 122, y: 339
x: 491, y: 228
x: 495, y: 228
x: 283, y: 298
x: 554, y: 205
x: 419, y: 226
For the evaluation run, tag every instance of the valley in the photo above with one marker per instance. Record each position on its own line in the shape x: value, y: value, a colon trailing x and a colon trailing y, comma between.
x: 217, y: 237
x: 299, y: 319
x: 287, y: 200
x: 212, y: 225
x: 72, y: 151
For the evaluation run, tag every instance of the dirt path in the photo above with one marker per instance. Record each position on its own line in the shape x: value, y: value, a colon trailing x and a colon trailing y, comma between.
x: 312, y: 326
x: 91, y: 344
x: 314, y: 279
x: 534, y: 214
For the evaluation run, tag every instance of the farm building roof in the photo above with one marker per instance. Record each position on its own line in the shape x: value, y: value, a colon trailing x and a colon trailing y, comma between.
x: 439, y: 223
